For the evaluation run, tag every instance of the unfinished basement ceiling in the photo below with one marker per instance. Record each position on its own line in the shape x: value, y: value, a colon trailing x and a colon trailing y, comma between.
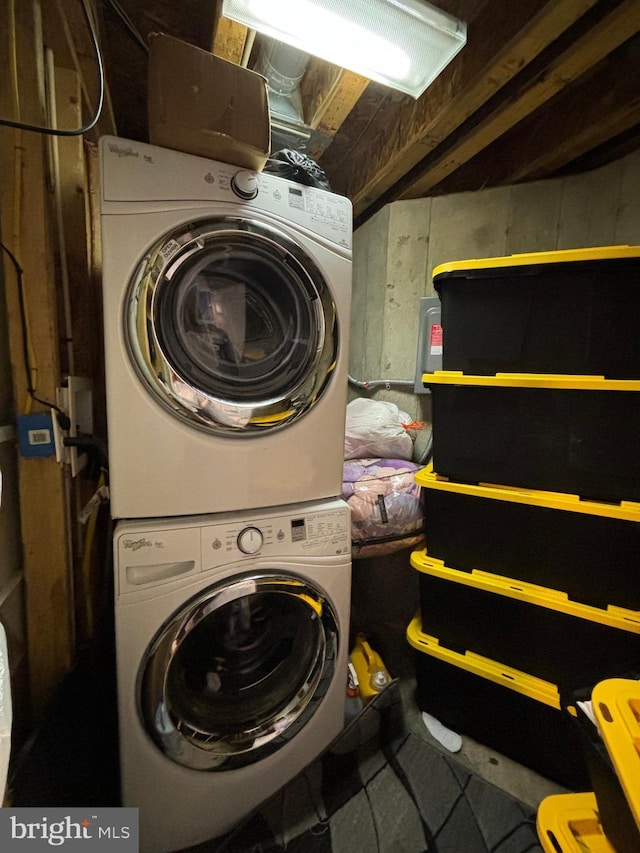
x: 541, y: 89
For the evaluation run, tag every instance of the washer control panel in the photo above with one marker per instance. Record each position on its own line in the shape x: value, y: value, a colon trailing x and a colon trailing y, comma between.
x: 318, y: 533
x: 152, y: 553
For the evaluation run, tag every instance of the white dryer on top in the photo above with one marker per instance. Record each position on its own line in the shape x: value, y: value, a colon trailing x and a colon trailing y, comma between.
x: 226, y: 315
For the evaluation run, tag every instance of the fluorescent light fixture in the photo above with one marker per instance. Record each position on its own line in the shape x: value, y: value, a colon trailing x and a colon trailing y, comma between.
x: 404, y: 44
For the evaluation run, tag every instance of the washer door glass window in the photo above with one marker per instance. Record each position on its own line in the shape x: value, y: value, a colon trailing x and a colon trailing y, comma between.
x: 232, y: 326
x: 238, y: 671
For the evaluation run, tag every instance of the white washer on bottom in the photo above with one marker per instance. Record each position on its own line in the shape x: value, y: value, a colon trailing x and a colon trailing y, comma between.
x: 231, y: 643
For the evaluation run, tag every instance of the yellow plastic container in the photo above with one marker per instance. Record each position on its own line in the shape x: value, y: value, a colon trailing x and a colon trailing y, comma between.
x: 511, y: 711
x: 616, y: 704
x: 569, y: 823
x: 562, y: 381
x: 569, y: 312
x: 567, y: 256
x: 588, y: 549
x: 568, y: 433
x: 373, y: 675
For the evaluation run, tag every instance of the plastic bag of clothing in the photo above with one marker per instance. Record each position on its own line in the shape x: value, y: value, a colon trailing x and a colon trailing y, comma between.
x: 297, y: 167
x: 386, y: 507
x: 376, y: 428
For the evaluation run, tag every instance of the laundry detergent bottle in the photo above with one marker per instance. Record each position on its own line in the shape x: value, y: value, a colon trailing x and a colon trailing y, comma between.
x: 373, y: 675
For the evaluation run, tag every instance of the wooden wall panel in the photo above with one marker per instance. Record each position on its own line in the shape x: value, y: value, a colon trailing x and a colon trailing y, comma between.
x: 26, y: 229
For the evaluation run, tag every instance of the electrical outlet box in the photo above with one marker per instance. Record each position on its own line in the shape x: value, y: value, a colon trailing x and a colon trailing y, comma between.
x: 74, y: 398
x: 429, y: 355
x: 35, y: 435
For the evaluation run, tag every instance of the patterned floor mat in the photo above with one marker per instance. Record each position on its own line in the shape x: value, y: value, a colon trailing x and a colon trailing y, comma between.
x: 381, y: 789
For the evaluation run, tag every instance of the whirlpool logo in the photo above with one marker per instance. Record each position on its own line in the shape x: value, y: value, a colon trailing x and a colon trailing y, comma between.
x: 137, y: 544
x: 41, y: 829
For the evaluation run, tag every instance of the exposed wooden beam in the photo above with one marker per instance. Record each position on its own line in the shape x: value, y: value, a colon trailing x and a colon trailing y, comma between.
x: 502, y: 41
x: 229, y: 40
x: 598, y: 108
x: 328, y: 95
x: 606, y: 105
x: 614, y: 149
x: 608, y: 33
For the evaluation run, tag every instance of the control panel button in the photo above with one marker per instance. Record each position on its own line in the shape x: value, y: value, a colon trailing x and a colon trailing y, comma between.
x: 250, y: 540
x: 245, y: 184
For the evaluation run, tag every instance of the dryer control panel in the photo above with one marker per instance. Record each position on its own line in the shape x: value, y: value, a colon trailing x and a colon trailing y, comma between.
x: 137, y: 173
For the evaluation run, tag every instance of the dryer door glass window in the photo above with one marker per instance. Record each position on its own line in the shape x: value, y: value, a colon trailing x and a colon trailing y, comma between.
x: 239, y: 671
x: 232, y: 326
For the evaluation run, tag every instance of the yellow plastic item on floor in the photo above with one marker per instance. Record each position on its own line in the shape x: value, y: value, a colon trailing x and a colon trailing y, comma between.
x: 371, y: 671
x: 569, y: 823
x: 616, y: 705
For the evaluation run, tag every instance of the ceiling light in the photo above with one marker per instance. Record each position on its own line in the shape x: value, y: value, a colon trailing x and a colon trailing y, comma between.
x: 404, y: 44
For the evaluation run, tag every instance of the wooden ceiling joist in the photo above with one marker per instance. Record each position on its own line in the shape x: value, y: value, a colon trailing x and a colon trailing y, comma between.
x: 557, y: 75
x: 500, y: 45
x: 598, y: 108
x: 229, y: 40
x: 328, y: 95
x: 603, y: 106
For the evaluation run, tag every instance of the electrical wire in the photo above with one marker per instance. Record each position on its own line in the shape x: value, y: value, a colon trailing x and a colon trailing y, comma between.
x: 25, y: 342
x: 50, y: 131
x: 371, y: 384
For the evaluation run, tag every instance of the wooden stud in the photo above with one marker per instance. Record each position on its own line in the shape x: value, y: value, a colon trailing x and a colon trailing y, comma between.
x: 26, y: 230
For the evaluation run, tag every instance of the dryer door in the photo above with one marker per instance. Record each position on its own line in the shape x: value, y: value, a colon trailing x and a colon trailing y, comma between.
x: 231, y: 326
x: 238, y: 671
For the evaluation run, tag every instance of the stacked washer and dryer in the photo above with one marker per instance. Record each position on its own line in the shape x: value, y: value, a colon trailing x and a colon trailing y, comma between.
x: 226, y: 315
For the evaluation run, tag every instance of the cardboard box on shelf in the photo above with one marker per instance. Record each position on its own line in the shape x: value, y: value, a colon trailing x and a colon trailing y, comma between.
x: 204, y: 105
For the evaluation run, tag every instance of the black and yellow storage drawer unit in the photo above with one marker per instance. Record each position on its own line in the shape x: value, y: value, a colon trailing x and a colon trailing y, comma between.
x: 525, y: 626
x: 560, y: 433
x: 589, y: 550
x: 532, y: 501
x: 511, y: 711
x: 572, y: 312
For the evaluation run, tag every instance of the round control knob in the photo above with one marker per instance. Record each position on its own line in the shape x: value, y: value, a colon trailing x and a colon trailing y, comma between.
x: 245, y: 184
x: 250, y: 540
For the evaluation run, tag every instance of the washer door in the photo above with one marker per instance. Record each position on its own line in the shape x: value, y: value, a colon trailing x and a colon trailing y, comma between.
x: 231, y: 326
x: 237, y: 672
